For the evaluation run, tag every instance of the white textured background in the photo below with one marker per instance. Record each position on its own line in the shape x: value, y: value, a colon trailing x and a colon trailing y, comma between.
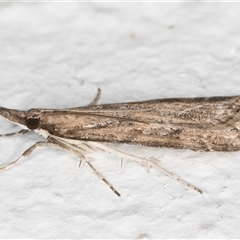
x: 56, y: 55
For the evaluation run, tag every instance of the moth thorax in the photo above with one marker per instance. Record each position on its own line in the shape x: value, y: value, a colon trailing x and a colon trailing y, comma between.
x: 32, y: 123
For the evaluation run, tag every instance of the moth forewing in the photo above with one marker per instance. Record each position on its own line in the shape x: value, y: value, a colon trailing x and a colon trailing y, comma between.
x: 202, y: 124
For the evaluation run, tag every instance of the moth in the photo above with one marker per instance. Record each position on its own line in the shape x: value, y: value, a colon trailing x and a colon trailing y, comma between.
x: 198, y: 124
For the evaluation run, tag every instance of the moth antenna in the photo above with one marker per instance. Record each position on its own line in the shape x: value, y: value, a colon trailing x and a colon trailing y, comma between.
x: 104, y: 179
x: 27, y: 153
x: 22, y: 131
x: 96, y: 99
x: 121, y: 162
x: 141, y: 160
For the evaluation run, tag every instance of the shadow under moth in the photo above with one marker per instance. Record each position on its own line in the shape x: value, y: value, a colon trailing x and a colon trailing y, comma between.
x: 199, y: 124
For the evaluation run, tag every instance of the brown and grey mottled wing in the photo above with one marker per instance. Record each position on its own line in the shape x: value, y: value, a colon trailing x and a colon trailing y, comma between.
x: 207, y: 124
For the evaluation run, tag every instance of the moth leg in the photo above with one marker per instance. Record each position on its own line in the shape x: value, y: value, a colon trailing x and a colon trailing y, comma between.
x: 97, y: 173
x: 150, y: 163
x: 22, y: 131
x: 67, y: 146
x: 148, y: 168
x: 96, y: 99
x: 80, y: 163
x: 75, y: 150
x: 28, y: 153
x: 104, y: 179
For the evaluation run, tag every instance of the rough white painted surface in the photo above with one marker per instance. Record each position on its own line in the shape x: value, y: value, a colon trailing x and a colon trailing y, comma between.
x: 56, y: 55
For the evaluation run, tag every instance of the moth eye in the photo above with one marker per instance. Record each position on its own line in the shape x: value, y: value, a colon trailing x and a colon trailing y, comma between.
x: 32, y: 123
